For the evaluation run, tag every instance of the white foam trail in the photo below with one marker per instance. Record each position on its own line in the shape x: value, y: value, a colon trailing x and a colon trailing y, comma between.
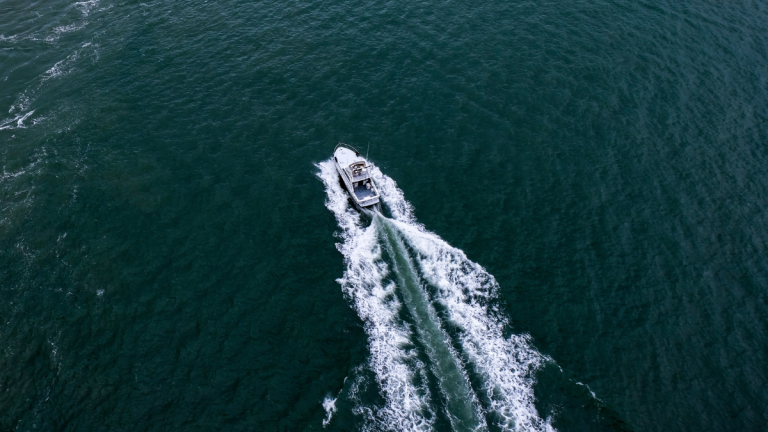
x: 407, y: 406
x: 400, y: 209
x: 465, y: 289
x: 19, y: 119
x: 329, y: 405
x: 507, y: 365
x: 462, y: 406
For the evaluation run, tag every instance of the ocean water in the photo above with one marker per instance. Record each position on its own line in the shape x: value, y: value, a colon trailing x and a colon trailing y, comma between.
x: 574, y: 234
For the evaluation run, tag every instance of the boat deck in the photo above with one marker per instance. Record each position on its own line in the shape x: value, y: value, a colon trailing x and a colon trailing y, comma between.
x: 362, y: 193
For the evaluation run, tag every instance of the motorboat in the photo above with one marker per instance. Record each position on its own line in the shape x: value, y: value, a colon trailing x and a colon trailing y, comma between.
x: 356, y: 175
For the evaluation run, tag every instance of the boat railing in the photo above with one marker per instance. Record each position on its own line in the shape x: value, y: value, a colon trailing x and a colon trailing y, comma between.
x: 347, y: 146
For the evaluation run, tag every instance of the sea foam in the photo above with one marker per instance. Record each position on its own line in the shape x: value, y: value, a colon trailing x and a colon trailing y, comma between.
x: 392, y: 358
x: 467, y: 293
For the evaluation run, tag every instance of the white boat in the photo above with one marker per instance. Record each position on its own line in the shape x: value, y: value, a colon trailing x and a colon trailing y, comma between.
x: 356, y: 176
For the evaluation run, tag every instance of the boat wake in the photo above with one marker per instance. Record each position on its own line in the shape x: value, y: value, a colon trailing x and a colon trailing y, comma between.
x: 435, y: 334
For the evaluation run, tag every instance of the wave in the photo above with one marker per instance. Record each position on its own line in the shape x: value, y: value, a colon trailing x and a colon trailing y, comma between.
x: 466, y: 295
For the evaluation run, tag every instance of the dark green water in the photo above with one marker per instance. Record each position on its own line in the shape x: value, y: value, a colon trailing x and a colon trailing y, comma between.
x: 168, y: 261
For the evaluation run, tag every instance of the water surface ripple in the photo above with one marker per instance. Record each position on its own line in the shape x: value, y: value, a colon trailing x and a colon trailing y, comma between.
x: 167, y: 259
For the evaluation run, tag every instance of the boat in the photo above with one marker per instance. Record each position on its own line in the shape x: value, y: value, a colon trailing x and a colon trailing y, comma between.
x: 356, y: 176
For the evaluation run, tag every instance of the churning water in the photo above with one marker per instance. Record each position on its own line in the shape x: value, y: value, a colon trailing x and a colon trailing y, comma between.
x: 466, y: 337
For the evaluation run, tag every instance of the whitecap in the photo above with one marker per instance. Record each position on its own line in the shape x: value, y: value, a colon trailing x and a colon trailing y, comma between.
x: 21, y: 104
x: 19, y: 120
x: 329, y: 405
x: 69, y: 28
x: 62, y: 67
x: 87, y: 6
